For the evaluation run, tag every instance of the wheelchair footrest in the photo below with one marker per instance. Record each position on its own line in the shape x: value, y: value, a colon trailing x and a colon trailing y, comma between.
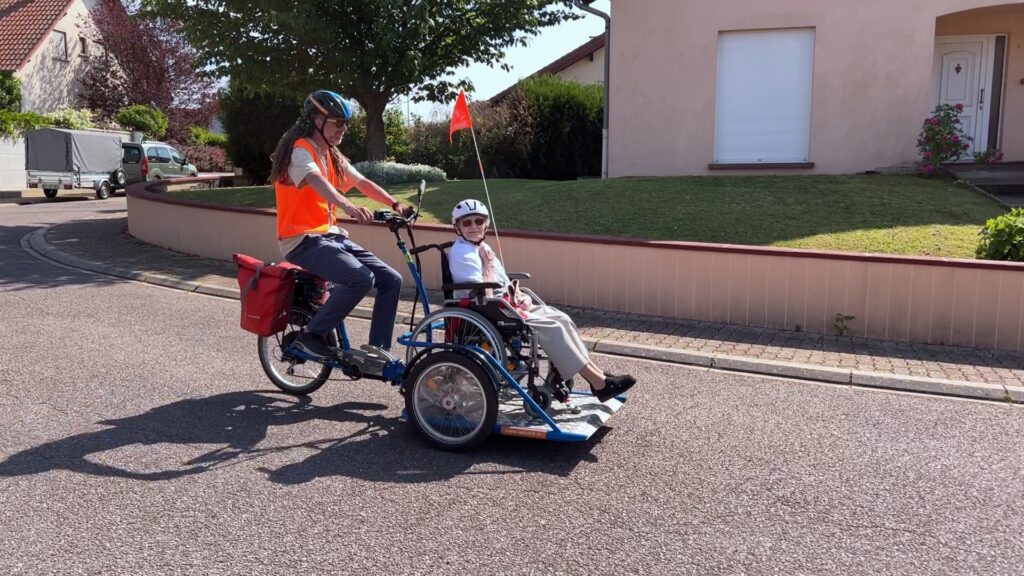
x: 513, y: 420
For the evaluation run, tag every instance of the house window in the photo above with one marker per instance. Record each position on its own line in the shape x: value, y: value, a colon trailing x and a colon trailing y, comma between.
x: 59, y: 45
x: 83, y: 47
x: 763, y: 96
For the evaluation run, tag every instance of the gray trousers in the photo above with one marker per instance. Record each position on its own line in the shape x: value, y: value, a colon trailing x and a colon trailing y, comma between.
x: 353, y: 270
x: 558, y: 336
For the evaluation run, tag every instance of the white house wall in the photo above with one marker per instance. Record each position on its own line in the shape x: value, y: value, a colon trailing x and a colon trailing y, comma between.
x: 49, y: 84
x: 586, y: 70
x: 12, y: 164
x: 871, y: 89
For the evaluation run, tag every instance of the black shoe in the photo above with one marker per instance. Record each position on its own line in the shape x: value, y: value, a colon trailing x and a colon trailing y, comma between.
x: 613, y: 386
x: 315, y: 345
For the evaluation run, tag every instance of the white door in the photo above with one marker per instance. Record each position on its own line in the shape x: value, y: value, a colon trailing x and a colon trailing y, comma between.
x: 963, y: 72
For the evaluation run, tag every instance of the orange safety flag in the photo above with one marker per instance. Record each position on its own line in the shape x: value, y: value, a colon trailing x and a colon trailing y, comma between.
x: 460, y: 116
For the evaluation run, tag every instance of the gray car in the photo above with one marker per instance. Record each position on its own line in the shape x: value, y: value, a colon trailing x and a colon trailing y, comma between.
x: 153, y: 161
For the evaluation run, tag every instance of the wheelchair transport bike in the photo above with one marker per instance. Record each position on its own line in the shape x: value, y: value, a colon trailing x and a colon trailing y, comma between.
x: 471, y: 368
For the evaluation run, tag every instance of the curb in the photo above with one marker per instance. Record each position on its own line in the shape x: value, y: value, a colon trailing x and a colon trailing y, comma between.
x: 35, y: 242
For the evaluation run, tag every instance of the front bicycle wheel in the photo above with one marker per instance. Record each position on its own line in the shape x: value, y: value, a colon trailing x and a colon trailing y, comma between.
x: 451, y: 400
x: 289, y: 373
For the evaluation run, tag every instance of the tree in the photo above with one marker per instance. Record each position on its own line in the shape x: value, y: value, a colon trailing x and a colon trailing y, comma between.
x: 371, y: 50
x: 148, y: 61
x: 254, y: 123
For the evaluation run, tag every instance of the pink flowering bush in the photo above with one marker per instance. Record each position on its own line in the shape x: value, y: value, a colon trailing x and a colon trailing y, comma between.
x: 206, y: 158
x: 942, y: 138
x: 988, y: 157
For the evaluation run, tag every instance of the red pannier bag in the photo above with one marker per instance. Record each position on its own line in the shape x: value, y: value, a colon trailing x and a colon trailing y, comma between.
x: 266, y: 294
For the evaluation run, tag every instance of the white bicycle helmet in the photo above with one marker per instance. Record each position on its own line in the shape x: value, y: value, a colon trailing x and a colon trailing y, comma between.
x: 467, y: 207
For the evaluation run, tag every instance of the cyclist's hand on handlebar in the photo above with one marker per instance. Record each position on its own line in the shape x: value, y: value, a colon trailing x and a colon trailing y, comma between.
x: 406, y: 211
x: 360, y: 213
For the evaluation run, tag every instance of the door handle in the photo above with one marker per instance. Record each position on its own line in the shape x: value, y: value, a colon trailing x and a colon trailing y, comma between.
x: 981, y: 101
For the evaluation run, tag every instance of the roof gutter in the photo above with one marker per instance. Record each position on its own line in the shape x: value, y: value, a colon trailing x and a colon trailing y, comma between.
x: 607, y: 59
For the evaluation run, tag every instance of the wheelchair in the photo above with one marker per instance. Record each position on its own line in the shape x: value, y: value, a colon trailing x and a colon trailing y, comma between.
x: 472, y: 367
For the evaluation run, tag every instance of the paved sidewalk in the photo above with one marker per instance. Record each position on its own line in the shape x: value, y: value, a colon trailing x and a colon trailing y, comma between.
x: 102, y: 244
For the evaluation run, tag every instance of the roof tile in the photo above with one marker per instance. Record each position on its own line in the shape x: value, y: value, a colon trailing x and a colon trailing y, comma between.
x: 23, y: 24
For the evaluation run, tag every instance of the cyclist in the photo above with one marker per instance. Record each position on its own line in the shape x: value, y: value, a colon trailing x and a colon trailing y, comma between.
x: 310, y: 178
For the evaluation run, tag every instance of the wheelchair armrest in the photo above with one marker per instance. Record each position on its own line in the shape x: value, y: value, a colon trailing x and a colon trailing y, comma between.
x: 518, y: 275
x: 472, y: 286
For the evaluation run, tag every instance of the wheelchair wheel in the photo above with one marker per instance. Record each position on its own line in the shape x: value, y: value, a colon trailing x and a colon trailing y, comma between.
x: 451, y: 400
x: 290, y: 374
x: 458, y: 326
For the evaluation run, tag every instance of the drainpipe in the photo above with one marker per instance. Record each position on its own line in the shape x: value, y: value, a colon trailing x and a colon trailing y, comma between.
x: 607, y: 59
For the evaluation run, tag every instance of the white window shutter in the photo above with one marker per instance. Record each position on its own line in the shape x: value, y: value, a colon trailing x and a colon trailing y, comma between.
x: 763, y: 96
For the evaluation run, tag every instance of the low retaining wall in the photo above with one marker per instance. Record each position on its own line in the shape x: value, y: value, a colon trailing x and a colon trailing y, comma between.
x: 974, y: 303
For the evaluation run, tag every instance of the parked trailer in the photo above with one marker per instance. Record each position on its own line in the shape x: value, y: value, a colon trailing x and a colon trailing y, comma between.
x: 61, y: 159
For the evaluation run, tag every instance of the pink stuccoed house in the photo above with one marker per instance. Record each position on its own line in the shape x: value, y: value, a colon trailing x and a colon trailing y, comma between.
x: 807, y: 86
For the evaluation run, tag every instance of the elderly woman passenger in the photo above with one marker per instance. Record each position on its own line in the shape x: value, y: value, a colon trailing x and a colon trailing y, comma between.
x: 472, y: 260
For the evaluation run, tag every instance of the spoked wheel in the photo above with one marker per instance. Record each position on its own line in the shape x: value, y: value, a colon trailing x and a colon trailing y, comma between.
x: 451, y: 400
x: 290, y: 374
x: 457, y: 326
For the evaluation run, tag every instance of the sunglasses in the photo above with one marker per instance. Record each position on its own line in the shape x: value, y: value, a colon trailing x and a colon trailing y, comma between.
x: 338, y: 122
x: 466, y: 222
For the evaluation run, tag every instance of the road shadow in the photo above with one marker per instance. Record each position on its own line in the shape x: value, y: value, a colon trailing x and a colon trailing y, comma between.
x: 383, y: 449
x: 22, y: 270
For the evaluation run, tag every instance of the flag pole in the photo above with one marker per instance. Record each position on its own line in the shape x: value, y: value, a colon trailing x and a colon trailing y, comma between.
x: 483, y: 178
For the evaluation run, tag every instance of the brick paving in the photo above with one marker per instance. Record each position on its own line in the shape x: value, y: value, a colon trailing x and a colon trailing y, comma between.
x: 105, y: 240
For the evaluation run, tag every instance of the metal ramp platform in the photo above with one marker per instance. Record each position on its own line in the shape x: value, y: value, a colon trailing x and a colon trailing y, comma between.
x: 513, y: 420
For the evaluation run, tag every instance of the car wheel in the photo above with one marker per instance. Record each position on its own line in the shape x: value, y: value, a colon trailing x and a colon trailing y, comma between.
x: 103, y: 192
x: 119, y: 178
x: 50, y: 192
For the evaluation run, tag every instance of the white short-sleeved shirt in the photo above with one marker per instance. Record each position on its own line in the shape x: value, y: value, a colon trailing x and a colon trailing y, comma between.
x: 466, y: 266
x: 302, y: 165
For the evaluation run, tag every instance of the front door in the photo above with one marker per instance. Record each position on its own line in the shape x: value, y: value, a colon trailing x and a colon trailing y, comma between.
x: 963, y: 72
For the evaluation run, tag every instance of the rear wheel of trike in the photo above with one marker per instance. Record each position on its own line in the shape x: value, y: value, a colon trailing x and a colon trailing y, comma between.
x: 452, y: 400
x: 290, y: 374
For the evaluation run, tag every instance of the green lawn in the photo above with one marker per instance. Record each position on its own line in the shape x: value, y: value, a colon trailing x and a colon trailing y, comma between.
x: 882, y: 214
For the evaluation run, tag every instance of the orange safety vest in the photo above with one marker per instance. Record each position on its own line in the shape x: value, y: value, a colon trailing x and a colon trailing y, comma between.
x: 302, y: 210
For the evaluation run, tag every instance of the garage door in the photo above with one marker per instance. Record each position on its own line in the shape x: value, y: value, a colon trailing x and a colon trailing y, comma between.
x: 763, y: 96
x: 12, y: 164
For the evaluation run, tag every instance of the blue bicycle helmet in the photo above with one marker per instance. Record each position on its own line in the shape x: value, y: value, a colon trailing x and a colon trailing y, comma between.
x: 330, y: 104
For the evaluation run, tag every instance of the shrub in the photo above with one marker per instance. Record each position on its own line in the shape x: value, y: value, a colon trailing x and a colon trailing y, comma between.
x: 941, y: 139
x: 1002, y: 238
x: 388, y: 173
x: 71, y: 119
x: 547, y: 128
x: 567, y: 118
x: 200, y: 136
x: 254, y: 124
x: 396, y: 136
x: 504, y: 135
x: 13, y: 124
x: 10, y: 92
x: 988, y: 157
x: 145, y: 119
x: 206, y: 158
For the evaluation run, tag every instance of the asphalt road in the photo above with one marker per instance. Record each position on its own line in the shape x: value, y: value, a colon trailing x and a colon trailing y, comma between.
x: 140, y: 436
